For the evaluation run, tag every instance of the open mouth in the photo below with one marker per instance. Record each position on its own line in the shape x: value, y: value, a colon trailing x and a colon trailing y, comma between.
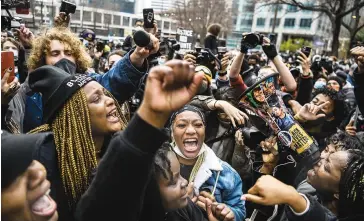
x: 190, y: 145
x: 44, y: 206
x: 113, y: 116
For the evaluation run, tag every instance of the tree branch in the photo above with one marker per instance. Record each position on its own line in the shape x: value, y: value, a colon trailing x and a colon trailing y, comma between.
x: 358, y: 29
x: 355, y: 7
x: 346, y: 26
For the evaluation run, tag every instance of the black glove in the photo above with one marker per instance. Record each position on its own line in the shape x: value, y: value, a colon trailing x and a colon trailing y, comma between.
x: 243, y: 46
x: 270, y: 51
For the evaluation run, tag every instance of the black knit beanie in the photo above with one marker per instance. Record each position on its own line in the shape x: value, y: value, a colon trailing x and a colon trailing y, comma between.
x: 56, y: 87
x: 17, y: 154
x: 337, y: 79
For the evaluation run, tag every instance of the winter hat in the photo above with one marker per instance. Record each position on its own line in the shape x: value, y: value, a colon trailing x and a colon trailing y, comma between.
x: 56, y: 87
x: 17, y: 154
x: 338, y: 79
x: 341, y: 74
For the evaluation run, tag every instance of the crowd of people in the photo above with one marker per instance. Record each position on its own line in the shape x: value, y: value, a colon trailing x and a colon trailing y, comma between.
x: 95, y: 131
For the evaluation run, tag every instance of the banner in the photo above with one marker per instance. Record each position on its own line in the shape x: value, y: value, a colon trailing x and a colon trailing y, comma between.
x: 184, y: 38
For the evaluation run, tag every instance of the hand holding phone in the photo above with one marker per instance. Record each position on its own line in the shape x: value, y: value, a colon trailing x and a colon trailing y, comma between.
x: 7, y: 65
x: 148, y: 17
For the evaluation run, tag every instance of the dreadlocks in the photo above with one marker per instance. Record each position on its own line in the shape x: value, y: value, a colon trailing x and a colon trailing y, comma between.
x: 351, y: 199
x: 74, y: 144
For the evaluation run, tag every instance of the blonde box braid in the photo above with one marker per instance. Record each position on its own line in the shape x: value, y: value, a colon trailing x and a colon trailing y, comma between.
x: 74, y: 144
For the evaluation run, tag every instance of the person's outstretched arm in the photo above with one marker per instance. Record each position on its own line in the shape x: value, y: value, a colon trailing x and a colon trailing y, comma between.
x: 118, y: 187
x: 286, y: 76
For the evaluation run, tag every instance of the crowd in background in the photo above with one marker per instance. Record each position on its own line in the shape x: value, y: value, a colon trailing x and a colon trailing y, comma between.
x: 96, y: 130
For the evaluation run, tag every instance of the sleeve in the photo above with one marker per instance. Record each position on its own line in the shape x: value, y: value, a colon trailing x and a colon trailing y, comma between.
x: 304, y: 90
x: 315, y: 212
x: 123, y: 79
x: 201, y: 102
x: 122, y: 175
x: 358, y: 80
x: 4, y: 109
x: 238, y: 83
x: 241, y: 161
x: 232, y: 197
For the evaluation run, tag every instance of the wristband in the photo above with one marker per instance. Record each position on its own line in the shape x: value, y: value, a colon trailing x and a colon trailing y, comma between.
x: 307, y: 207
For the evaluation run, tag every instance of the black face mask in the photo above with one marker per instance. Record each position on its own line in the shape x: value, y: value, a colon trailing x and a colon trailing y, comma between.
x: 66, y: 65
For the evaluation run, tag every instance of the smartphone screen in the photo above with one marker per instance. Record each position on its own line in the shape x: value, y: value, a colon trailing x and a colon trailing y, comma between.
x: 7, y: 64
x: 306, y: 50
x: 148, y: 16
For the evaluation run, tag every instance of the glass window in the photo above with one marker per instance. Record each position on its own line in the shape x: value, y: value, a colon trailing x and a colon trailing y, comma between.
x: 305, y: 23
x: 97, y: 16
x: 260, y: 21
x: 174, y: 26
x: 86, y: 16
x: 126, y: 21
x: 107, y: 19
x: 278, y: 21
x: 246, y: 22
x: 116, y: 20
x: 166, y: 25
x: 249, y: 8
x: 289, y: 22
x: 292, y: 8
x: 77, y: 15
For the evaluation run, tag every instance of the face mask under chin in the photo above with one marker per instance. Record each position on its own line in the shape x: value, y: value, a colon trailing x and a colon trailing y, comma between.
x: 66, y: 65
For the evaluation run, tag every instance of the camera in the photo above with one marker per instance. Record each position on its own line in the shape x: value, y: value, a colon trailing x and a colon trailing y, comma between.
x: 8, y: 21
x: 168, y: 47
x: 253, y: 39
x: 318, y: 64
x: 68, y: 7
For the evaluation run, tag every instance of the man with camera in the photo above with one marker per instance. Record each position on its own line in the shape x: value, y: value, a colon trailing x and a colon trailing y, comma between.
x: 61, y: 48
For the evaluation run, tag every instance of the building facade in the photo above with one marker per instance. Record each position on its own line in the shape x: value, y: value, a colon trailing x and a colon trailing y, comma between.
x: 103, y: 22
x: 158, y: 5
x: 291, y: 22
x: 242, y: 21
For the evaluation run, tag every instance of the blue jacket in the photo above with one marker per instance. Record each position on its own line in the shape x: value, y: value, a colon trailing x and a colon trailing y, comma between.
x: 122, y: 81
x: 229, y: 187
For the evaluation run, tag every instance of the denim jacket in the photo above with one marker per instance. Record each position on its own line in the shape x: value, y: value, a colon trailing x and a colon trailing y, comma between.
x: 25, y: 109
x: 214, y: 171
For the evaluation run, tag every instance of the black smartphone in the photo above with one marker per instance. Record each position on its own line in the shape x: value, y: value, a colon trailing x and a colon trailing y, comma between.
x: 68, y: 7
x: 148, y: 16
x: 306, y: 50
x: 272, y: 38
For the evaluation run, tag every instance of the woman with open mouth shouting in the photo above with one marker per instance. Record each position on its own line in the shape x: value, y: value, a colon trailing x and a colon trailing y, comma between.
x: 82, y: 116
x: 211, y: 177
x: 24, y: 187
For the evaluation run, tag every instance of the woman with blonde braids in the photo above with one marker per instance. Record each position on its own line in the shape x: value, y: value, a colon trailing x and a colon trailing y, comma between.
x: 82, y: 116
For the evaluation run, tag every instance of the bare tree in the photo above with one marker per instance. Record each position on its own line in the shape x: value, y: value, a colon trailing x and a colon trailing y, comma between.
x: 355, y: 23
x: 197, y: 15
x: 336, y: 10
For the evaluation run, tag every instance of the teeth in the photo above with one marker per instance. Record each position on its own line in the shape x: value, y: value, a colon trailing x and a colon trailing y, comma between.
x: 48, y: 192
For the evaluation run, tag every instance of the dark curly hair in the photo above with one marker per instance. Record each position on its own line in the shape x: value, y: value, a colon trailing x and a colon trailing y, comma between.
x: 344, y: 141
x: 339, y: 104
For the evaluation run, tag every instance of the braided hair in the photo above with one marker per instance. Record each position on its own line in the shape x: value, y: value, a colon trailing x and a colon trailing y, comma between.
x: 351, y: 198
x: 162, y: 165
x: 74, y: 144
